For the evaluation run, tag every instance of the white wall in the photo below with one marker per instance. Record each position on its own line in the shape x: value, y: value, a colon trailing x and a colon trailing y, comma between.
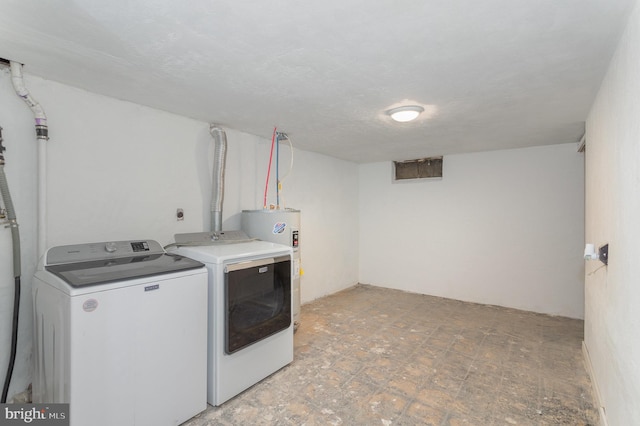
x: 326, y: 191
x: 118, y: 170
x: 501, y: 227
x: 612, y: 321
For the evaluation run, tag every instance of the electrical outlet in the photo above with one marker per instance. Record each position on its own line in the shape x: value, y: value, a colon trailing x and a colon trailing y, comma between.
x: 603, y: 254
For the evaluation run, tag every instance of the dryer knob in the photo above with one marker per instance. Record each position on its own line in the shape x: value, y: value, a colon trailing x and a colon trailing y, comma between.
x: 111, y: 247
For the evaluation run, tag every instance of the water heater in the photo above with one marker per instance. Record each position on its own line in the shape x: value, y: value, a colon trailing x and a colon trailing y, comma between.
x: 281, y: 227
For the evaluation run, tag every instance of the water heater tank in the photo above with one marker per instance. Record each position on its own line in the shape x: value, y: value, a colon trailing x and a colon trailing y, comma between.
x: 281, y: 227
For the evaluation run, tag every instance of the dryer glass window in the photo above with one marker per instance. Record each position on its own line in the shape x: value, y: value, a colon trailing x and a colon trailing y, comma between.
x: 257, y: 301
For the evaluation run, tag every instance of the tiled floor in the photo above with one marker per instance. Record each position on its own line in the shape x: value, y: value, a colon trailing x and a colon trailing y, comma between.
x: 373, y: 356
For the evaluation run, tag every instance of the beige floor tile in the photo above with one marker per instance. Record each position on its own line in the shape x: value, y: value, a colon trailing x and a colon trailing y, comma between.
x: 374, y: 356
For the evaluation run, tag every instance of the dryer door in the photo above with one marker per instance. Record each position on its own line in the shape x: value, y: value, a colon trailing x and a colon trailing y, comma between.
x: 257, y: 301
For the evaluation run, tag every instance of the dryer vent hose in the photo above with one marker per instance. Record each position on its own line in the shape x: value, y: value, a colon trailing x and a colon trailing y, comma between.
x: 217, y: 193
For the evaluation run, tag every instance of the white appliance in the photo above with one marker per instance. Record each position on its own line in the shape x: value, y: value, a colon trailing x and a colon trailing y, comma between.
x: 120, y: 334
x: 250, y: 320
x: 282, y: 227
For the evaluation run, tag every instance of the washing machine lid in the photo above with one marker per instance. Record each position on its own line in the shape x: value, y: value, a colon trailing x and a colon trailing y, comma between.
x: 101, y: 263
x: 124, y: 268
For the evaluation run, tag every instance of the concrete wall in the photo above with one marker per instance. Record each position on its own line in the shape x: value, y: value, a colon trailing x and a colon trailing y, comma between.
x: 612, y: 322
x: 501, y: 227
x: 118, y: 170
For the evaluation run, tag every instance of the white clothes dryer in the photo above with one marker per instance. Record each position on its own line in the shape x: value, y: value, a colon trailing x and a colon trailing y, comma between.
x: 120, y: 334
x: 250, y: 313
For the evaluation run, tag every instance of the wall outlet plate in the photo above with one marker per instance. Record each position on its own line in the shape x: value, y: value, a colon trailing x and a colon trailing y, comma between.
x: 603, y: 254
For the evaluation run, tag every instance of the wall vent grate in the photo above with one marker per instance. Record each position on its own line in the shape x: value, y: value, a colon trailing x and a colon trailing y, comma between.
x: 421, y: 168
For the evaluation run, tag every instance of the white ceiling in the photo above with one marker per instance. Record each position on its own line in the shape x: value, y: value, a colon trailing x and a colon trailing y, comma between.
x: 494, y: 74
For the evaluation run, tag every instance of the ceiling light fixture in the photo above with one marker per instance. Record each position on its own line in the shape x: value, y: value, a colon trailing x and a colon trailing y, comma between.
x: 404, y: 114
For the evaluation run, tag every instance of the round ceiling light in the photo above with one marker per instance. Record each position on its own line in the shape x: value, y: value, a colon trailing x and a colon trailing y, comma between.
x: 404, y: 114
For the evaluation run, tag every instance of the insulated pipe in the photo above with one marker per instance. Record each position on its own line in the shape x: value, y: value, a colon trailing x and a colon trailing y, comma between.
x: 217, y: 195
x: 42, y: 134
x: 42, y: 131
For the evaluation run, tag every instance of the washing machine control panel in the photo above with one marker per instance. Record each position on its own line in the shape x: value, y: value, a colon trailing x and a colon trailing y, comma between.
x: 97, y: 251
x: 140, y: 246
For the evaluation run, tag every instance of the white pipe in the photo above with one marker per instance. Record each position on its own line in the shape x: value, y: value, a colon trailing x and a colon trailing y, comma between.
x: 42, y: 197
x: 42, y: 134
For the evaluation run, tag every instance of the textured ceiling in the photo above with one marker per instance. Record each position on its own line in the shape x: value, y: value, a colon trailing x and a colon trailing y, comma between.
x: 493, y: 74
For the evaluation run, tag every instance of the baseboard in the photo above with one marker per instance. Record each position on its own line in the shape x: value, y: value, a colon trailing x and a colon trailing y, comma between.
x: 596, y: 390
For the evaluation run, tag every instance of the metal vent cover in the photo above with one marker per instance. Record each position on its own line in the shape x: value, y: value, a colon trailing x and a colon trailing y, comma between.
x: 421, y: 168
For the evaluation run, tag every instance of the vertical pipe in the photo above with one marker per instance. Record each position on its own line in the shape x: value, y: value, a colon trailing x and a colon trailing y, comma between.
x: 42, y: 197
x: 13, y: 223
x: 277, y: 171
x: 15, y: 236
x: 217, y: 195
x: 42, y: 134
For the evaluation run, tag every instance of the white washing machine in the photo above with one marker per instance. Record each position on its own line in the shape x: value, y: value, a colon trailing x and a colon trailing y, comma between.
x: 250, y: 313
x: 120, y: 334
